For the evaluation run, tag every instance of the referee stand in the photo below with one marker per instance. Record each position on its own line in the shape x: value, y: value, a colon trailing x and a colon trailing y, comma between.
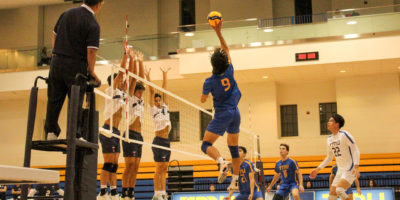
x: 81, y: 161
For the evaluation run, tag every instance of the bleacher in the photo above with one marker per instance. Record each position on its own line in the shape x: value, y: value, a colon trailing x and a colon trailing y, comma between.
x: 383, y: 168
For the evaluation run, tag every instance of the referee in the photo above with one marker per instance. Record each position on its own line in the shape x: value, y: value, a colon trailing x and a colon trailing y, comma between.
x: 75, y: 40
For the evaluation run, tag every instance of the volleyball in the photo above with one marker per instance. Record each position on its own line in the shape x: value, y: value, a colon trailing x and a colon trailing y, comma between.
x: 214, y: 17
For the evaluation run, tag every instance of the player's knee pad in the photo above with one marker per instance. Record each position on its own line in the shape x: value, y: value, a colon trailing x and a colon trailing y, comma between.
x: 234, y: 151
x: 277, y: 197
x: 205, y: 146
x: 341, y: 192
x: 332, y: 197
x: 114, y: 168
x: 108, y: 167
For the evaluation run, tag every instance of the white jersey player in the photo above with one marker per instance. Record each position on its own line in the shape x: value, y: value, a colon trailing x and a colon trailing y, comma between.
x: 341, y: 145
x: 162, y: 127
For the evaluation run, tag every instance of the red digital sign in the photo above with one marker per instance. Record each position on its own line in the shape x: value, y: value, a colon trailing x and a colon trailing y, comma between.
x: 307, y: 56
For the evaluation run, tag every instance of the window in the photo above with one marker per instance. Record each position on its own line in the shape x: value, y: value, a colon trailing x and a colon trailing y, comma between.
x: 204, y: 121
x: 326, y: 110
x: 188, y: 14
x: 289, y: 124
x: 174, y: 135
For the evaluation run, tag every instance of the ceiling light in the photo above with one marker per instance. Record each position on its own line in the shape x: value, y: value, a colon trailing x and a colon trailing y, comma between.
x: 349, y: 36
x: 102, y: 62
x: 153, y: 57
x: 342, y: 71
x: 190, y: 50
x: 268, y: 43
x: 265, y: 77
x: 251, y: 19
x: 255, y: 44
x: 210, y: 48
x: 190, y: 34
x: 351, y: 22
x: 268, y: 30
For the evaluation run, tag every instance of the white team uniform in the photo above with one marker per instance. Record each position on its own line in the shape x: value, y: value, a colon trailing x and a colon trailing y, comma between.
x: 117, y: 97
x: 346, y: 153
x: 136, y: 109
x: 161, y: 117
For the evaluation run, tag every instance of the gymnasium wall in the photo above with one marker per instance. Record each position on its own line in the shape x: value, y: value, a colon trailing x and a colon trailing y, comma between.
x: 370, y: 105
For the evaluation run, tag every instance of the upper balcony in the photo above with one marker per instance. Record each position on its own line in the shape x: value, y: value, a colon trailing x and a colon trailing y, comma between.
x: 334, y: 25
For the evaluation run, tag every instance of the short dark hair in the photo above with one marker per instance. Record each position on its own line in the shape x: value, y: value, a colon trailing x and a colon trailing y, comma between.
x: 139, y: 86
x: 338, y: 119
x: 285, y: 145
x: 92, y: 2
x: 157, y: 95
x: 243, y: 149
x: 109, y: 79
x: 219, y: 61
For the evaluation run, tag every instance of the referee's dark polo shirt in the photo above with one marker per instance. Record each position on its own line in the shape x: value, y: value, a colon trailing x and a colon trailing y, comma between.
x: 76, y: 30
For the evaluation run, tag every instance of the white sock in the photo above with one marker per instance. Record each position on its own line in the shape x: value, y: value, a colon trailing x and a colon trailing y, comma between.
x: 158, y: 193
x: 113, y: 187
x: 220, y: 160
x: 235, y: 177
x: 163, y: 192
x: 103, y: 186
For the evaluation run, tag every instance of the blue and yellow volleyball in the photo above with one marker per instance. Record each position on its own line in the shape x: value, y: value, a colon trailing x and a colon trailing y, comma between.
x: 214, y: 18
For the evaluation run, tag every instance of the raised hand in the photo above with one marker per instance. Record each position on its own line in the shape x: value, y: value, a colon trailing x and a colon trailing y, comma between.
x: 147, y: 71
x: 139, y: 55
x: 165, y: 69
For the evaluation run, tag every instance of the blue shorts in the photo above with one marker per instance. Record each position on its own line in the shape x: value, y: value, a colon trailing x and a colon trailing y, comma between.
x: 349, y: 191
x: 285, y: 189
x: 225, y: 120
x: 110, y: 145
x: 256, y: 195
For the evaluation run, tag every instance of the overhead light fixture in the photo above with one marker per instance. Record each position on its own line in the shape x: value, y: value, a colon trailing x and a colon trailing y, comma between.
x: 265, y: 77
x: 269, y: 43
x: 268, y: 30
x: 101, y: 39
x: 209, y: 48
x: 251, y: 19
x: 280, y: 42
x: 190, y: 50
x: 346, y: 10
x: 350, y: 36
x: 255, y: 44
x: 342, y: 71
x: 102, y: 62
x: 351, y: 22
x: 190, y: 34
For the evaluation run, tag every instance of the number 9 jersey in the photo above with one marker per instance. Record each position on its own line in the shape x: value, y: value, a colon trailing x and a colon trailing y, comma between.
x: 226, y: 96
x: 224, y: 89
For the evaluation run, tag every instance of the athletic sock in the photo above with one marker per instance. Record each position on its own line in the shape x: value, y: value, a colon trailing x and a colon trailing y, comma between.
x: 220, y: 160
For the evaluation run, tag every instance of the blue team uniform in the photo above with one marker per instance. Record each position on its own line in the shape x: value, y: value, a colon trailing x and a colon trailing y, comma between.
x: 289, y: 177
x: 226, y: 96
x: 244, y: 182
x: 334, y: 171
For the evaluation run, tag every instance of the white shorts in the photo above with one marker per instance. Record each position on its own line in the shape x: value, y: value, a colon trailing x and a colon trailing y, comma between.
x: 343, y: 174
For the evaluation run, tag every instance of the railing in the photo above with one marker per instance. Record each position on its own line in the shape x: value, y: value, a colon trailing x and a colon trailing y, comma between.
x: 286, y: 21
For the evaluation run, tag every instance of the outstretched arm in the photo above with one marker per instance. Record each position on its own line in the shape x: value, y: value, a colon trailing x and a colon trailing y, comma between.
x: 224, y: 46
x: 151, y: 93
x: 133, y: 69
x: 328, y: 159
x: 165, y: 72
x: 140, y: 58
x: 120, y: 72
